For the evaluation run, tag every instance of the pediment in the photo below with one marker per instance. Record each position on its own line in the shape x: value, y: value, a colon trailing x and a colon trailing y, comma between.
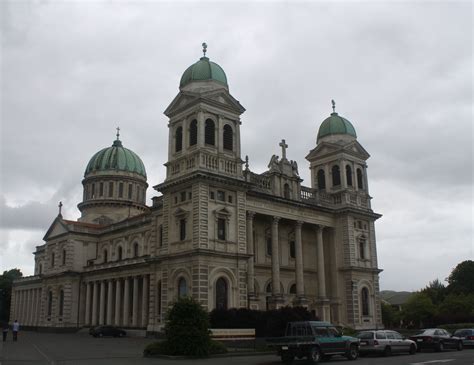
x: 357, y: 149
x: 222, y: 212
x: 323, y: 149
x: 180, y: 213
x: 216, y: 98
x: 57, y: 228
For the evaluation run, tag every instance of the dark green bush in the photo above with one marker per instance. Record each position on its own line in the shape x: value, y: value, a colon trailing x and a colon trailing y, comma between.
x: 217, y: 347
x: 187, y: 329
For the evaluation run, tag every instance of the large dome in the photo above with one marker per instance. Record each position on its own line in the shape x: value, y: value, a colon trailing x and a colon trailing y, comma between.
x: 116, y: 158
x: 203, y: 70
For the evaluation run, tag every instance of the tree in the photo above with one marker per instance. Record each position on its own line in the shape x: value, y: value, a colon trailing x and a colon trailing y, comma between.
x: 390, y: 316
x: 461, y: 279
x: 419, y: 310
x: 457, y: 308
x: 187, y: 329
x: 6, y: 283
x: 436, y: 290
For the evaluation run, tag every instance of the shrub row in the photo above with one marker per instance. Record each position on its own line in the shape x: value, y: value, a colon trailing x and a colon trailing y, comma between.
x: 270, y: 323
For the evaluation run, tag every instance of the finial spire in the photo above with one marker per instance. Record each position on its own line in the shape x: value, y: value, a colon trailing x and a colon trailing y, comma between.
x: 204, y: 48
x: 118, y: 133
x: 333, y: 106
x: 246, y: 162
x: 283, y: 146
x: 60, y: 205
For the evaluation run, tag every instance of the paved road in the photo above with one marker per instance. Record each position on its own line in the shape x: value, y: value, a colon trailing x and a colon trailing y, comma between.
x: 80, y: 349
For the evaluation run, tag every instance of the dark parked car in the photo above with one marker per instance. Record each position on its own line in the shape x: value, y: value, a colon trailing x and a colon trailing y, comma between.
x: 437, y: 339
x: 466, y: 335
x: 107, y: 331
x: 314, y: 340
x: 384, y: 342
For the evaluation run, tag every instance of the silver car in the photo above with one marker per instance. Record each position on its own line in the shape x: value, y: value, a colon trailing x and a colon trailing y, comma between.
x: 466, y: 335
x: 384, y: 342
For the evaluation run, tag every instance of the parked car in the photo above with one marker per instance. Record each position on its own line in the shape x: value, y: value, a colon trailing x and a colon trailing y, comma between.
x: 384, y: 342
x: 101, y: 331
x: 437, y: 339
x: 314, y: 340
x: 466, y: 336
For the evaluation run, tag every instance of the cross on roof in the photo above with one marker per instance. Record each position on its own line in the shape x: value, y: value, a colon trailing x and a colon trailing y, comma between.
x: 60, y: 205
x: 204, y: 48
x: 118, y: 133
x: 283, y: 146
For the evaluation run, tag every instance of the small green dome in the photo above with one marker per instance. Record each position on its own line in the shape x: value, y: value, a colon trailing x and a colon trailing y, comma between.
x: 335, y: 124
x: 116, y: 158
x: 203, y: 70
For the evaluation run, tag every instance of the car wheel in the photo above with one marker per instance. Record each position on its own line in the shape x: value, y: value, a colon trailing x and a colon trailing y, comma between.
x: 459, y: 346
x: 353, y: 352
x: 120, y: 334
x: 314, y: 356
x: 287, y: 359
x: 387, y: 351
x: 440, y: 347
x: 412, y: 349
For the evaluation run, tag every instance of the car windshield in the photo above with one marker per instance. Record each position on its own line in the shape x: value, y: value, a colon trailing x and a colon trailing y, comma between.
x: 427, y: 332
x: 365, y: 335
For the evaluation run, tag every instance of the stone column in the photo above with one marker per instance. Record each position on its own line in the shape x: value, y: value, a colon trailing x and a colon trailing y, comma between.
x: 320, y: 258
x: 145, y: 301
x: 299, y: 261
x: 342, y: 168
x: 200, y: 129
x: 95, y: 298
x: 275, y: 258
x: 87, y: 319
x: 135, y: 302
x: 110, y: 301
x: 118, y: 300
x: 102, y: 303
x: 126, y: 302
x: 250, y: 251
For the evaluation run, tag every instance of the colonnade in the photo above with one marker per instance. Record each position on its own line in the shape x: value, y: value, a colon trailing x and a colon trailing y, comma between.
x: 118, y: 301
x: 26, y: 304
x: 275, y: 259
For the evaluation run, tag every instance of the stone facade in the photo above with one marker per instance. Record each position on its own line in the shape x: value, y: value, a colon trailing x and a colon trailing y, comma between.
x: 217, y: 231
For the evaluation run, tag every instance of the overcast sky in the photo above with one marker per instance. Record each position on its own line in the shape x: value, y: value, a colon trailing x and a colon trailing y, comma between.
x: 401, y: 72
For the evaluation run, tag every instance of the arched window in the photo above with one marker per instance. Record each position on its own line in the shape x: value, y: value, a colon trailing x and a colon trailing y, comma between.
x: 106, y: 256
x: 321, y: 180
x: 293, y: 289
x: 360, y: 182
x: 135, y: 249
x: 349, y: 175
x: 221, y: 294
x: 269, y: 288
x: 61, y: 303
x: 50, y: 302
x: 182, y: 288
x: 292, y: 249
x: 336, y: 176
x: 286, y: 191
x: 228, y: 138
x: 362, y: 249
x: 193, y: 133
x: 119, y: 253
x: 210, y: 132
x: 178, y: 139
x: 365, y: 301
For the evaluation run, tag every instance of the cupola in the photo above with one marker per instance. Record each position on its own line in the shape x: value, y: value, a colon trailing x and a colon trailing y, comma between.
x: 336, y: 127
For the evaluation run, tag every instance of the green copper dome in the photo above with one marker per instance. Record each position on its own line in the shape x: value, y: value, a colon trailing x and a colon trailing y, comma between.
x: 116, y: 158
x: 203, y: 70
x: 336, y: 124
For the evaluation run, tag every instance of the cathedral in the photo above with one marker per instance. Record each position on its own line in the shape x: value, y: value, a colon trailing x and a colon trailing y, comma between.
x: 216, y: 231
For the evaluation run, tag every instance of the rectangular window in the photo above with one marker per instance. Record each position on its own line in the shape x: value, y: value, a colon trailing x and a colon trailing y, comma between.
x: 121, y: 190
x: 176, y: 200
x: 212, y: 195
x: 130, y: 186
x: 52, y: 259
x: 292, y: 249
x: 64, y: 257
x: 269, y: 246
x: 182, y: 229
x: 221, y: 229
x: 183, y: 196
x: 101, y: 189
x: 229, y: 198
x: 190, y: 195
x: 220, y: 195
x: 93, y: 191
x: 161, y: 235
x: 111, y: 189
